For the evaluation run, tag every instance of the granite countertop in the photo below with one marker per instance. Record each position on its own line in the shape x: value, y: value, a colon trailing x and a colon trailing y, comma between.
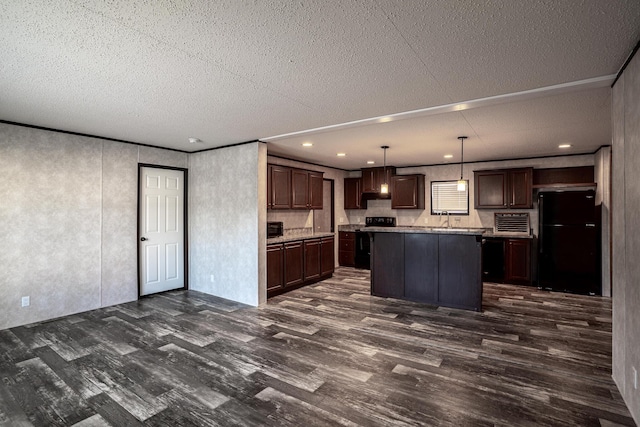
x: 351, y: 227
x: 293, y: 238
x: 429, y: 230
x: 491, y: 233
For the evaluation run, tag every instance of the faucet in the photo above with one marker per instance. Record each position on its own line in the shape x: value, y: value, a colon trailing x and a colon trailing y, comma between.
x: 448, y: 221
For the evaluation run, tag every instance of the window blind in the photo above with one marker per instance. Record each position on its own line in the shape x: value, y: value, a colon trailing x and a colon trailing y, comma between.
x: 445, y: 197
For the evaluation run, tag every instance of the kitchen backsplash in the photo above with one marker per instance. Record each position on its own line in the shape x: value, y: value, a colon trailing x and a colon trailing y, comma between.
x: 475, y: 219
x: 292, y: 221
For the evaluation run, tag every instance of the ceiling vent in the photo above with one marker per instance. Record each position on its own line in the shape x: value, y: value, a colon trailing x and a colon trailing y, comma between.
x: 513, y: 223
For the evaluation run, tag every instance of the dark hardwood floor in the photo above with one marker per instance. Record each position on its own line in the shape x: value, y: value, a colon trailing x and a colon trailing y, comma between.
x: 327, y: 354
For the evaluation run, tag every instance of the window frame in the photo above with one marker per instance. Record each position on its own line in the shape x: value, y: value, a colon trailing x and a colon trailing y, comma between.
x: 441, y: 212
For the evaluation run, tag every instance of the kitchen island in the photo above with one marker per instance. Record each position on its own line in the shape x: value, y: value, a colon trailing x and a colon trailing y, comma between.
x: 439, y: 266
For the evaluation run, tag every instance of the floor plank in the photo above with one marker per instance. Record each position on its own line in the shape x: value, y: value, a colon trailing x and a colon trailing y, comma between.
x: 326, y: 354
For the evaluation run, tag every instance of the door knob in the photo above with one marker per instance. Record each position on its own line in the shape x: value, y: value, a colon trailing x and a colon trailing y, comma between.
x: 143, y: 239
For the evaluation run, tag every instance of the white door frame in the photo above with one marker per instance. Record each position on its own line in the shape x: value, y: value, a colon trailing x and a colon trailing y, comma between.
x: 184, y: 225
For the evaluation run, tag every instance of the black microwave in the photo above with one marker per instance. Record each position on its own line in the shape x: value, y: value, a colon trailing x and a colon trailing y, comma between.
x: 274, y: 229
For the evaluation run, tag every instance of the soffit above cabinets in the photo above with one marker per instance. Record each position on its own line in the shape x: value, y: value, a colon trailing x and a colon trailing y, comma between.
x: 226, y: 72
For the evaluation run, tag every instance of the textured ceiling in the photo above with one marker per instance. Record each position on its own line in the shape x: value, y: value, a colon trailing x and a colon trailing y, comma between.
x: 159, y: 72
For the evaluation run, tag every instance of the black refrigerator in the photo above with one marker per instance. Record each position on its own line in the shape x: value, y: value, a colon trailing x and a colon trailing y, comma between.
x: 569, y: 242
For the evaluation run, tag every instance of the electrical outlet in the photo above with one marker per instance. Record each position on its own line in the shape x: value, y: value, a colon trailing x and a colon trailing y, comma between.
x: 211, y: 278
x: 358, y: 220
x: 456, y: 219
x: 26, y: 301
x: 426, y: 220
x: 341, y: 219
x: 635, y: 377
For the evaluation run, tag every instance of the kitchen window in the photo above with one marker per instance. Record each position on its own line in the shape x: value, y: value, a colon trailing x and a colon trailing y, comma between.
x: 446, y: 198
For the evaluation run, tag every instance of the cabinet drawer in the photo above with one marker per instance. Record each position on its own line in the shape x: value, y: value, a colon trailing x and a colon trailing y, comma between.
x: 347, y: 245
x: 347, y: 235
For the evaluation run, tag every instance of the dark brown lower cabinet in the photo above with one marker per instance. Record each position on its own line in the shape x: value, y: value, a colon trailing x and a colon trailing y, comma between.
x: 299, y: 263
x: 275, y: 264
x: 312, y: 259
x: 328, y: 262
x: 507, y: 260
x: 518, y: 261
x: 293, y: 263
x: 347, y: 248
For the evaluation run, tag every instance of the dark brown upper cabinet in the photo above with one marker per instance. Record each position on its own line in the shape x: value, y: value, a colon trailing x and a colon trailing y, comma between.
x: 279, y: 184
x: 291, y: 188
x: 373, y: 178
x: 352, y: 193
x: 300, y: 189
x: 504, y: 189
x: 407, y: 191
x: 316, y: 184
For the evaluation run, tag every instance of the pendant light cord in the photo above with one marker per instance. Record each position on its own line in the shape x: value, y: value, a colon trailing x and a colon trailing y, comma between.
x: 461, y: 138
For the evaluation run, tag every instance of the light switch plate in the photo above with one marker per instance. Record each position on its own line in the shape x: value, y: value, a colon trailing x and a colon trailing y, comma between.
x: 26, y: 301
x: 635, y: 377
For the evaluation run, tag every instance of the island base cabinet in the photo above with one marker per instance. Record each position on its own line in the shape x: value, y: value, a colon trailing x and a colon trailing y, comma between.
x: 421, y: 267
x: 438, y: 269
x: 387, y: 261
x: 460, y: 272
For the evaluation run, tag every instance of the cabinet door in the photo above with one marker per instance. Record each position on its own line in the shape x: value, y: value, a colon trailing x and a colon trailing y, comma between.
x: 421, y: 267
x: 459, y: 271
x: 518, y: 261
x: 369, y: 184
x: 312, y: 260
x: 316, y: 184
x: 387, y: 265
x: 407, y: 192
x: 280, y: 187
x: 328, y: 262
x: 490, y: 189
x: 269, y: 202
x: 521, y: 188
x: 347, y: 249
x: 293, y: 263
x: 300, y: 189
x: 275, y: 259
x: 352, y: 193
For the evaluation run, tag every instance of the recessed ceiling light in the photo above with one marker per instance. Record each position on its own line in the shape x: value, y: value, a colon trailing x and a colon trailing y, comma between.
x: 384, y: 119
x: 342, y: 154
x: 370, y: 162
x: 307, y: 144
x: 564, y: 146
x: 195, y: 141
x: 448, y: 156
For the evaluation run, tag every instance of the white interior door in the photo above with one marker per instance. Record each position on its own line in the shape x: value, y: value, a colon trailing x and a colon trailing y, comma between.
x: 161, y: 230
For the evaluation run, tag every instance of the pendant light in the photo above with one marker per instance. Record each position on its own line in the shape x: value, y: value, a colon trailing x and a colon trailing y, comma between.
x: 462, y: 184
x: 384, y: 188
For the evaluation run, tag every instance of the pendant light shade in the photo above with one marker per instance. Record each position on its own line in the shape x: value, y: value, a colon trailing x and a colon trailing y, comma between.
x: 462, y: 184
x: 384, y: 188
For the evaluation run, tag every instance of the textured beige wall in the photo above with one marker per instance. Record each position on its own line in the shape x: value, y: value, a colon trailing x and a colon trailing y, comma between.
x: 225, y: 210
x: 625, y: 233
x: 50, y: 224
x: 68, y: 222
x: 618, y: 255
